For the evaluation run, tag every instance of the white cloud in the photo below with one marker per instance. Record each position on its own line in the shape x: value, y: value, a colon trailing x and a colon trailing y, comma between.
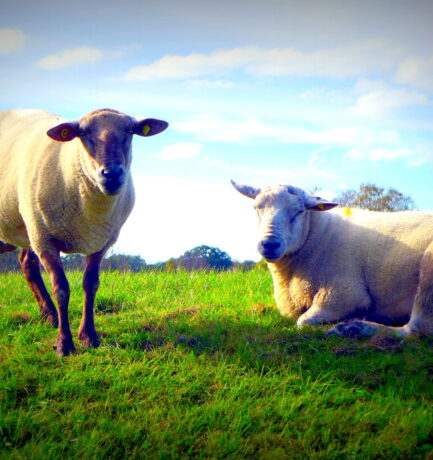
x: 194, y: 65
x: 417, y: 155
x: 180, y: 150
x: 214, y: 128
x: 70, y: 57
x: 211, y: 161
x: 337, y: 63
x: 203, y: 83
x: 307, y: 176
x: 11, y: 40
x: 312, y: 94
x: 388, y: 99
x: 380, y: 155
x: 211, y: 127
x: 317, y: 156
x: 417, y: 71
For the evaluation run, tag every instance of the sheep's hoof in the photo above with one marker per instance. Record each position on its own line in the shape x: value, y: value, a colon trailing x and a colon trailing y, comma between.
x: 64, y: 346
x: 354, y: 329
x: 89, y: 339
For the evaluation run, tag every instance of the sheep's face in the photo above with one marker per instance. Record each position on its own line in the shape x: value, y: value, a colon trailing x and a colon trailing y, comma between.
x: 281, y: 222
x: 283, y: 218
x: 107, y: 139
x: 106, y: 136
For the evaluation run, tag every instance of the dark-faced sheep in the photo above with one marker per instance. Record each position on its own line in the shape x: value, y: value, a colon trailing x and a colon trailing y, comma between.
x: 66, y: 187
x: 347, y: 263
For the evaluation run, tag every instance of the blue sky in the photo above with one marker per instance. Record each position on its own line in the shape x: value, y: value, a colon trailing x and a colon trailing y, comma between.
x: 314, y: 94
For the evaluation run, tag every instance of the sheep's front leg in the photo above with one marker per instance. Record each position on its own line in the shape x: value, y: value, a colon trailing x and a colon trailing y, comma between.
x: 31, y: 268
x: 334, y: 304
x: 87, y: 332
x: 54, y: 267
x: 318, y: 315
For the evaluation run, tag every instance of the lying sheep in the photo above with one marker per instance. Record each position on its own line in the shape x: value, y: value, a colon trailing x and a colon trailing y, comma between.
x: 66, y: 187
x: 348, y: 263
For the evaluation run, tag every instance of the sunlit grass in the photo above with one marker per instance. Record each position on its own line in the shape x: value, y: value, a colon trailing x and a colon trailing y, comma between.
x: 201, y: 365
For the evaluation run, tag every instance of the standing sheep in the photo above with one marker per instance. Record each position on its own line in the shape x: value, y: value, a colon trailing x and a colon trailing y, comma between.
x: 348, y: 263
x: 66, y: 187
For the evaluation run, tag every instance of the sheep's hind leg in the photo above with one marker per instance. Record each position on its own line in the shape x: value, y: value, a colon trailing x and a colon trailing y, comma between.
x: 53, y: 264
x: 31, y: 268
x: 87, y: 332
x: 421, y: 319
x: 360, y: 328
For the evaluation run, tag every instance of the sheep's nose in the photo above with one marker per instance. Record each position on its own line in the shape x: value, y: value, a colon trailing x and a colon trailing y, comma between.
x: 112, y: 177
x: 112, y: 172
x: 270, y: 245
x: 271, y: 248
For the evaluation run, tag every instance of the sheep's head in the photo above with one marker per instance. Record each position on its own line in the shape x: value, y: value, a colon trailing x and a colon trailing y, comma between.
x: 106, y: 136
x: 282, y: 212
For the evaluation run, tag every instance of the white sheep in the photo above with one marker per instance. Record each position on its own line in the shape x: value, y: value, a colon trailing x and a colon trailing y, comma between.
x: 66, y: 187
x: 347, y: 263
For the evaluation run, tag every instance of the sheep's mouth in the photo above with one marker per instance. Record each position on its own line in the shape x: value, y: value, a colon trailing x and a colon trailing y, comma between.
x: 110, y: 186
x: 272, y: 258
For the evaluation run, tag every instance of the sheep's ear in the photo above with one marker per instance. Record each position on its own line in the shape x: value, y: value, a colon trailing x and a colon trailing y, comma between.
x: 246, y: 190
x: 319, y: 204
x: 64, y: 132
x: 149, y: 127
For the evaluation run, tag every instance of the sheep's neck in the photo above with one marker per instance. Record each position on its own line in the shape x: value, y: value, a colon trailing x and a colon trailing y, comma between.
x: 94, y: 202
x: 293, y: 286
x: 292, y: 291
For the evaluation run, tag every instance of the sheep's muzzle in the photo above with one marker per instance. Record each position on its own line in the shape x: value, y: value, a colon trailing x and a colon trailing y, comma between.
x: 111, y: 178
x: 271, y: 248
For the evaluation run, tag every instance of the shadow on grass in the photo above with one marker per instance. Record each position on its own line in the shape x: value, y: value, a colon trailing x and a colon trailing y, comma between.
x: 268, y: 343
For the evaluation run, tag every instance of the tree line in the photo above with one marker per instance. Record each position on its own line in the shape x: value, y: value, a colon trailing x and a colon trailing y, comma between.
x: 368, y: 196
x: 199, y: 258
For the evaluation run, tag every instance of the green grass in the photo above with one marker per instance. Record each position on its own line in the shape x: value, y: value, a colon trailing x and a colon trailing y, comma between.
x: 201, y: 365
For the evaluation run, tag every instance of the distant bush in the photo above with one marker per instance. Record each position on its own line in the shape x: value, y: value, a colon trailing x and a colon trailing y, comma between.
x: 261, y: 265
x: 9, y: 262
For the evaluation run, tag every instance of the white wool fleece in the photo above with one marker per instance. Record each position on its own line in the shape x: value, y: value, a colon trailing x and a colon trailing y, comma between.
x: 45, y: 194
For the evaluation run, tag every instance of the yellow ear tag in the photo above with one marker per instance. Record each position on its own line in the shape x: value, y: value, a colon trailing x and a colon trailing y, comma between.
x: 146, y: 130
x: 64, y: 133
x: 321, y: 206
x: 347, y: 212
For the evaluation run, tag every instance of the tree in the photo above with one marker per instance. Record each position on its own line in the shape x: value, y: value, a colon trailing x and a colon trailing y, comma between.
x: 202, y: 257
x: 123, y: 262
x: 374, y: 198
x: 73, y: 262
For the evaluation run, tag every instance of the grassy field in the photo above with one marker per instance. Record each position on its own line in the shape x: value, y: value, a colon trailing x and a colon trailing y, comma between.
x: 201, y: 365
